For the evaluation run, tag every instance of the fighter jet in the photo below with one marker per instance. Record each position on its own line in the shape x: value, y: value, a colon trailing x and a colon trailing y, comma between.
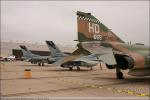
x: 56, y: 54
x: 79, y: 58
x: 80, y: 61
x: 99, y: 42
x: 33, y: 58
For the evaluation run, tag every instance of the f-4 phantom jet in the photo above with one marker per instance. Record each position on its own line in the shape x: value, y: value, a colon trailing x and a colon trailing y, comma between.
x: 98, y: 43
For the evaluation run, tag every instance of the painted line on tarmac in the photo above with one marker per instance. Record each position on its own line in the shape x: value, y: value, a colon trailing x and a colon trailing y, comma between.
x: 109, y: 88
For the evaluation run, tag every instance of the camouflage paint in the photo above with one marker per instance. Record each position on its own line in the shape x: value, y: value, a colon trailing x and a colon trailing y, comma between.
x: 139, y: 53
x: 84, y: 20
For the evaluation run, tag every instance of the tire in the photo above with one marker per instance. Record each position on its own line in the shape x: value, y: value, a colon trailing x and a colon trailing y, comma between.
x: 39, y: 64
x: 42, y: 64
x: 119, y: 75
x: 70, y: 68
x: 78, y: 68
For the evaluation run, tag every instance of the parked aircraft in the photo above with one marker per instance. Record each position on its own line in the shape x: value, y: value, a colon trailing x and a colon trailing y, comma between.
x: 101, y: 44
x: 33, y: 58
x: 84, y: 61
x: 56, y: 54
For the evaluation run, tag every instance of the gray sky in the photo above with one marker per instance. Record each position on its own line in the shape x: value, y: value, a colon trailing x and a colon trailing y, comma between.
x: 37, y: 21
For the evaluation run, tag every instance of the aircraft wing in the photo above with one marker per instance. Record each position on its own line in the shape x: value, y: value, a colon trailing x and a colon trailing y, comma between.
x: 104, y: 54
x: 41, y: 57
x: 76, y: 59
x: 86, y: 53
x: 89, y: 60
x: 67, y: 59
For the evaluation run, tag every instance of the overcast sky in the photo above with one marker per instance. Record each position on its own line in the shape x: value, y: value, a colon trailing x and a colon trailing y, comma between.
x: 37, y: 21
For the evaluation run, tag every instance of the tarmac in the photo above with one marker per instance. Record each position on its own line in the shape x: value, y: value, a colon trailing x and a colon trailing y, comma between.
x: 54, y: 81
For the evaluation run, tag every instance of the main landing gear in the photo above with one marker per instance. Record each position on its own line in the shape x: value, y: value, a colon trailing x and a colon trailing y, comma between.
x: 40, y: 63
x: 78, y: 68
x: 71, y: 68
x: 119, y: 74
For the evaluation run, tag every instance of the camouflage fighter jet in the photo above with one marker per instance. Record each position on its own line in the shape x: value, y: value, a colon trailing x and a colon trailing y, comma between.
x: 98, y: 41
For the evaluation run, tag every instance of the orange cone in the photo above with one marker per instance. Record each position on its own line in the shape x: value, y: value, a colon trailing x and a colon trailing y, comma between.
x: 27, y: 73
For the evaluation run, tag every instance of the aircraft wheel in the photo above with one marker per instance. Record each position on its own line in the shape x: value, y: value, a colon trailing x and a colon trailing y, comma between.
x: 39, y: 64
x: 119, y: 75
x: 78, y: 68
x: 42, y: 64
x: 70, y: 68
x: 91, y: 68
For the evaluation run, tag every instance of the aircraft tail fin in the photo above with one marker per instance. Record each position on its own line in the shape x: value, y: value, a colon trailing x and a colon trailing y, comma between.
x: 55, y: 51
x: 91, y: 29
x: 25, y: 51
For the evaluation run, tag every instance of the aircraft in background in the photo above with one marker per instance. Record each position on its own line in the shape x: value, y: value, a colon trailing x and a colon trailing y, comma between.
x: 33, y: 58
x: 77, y: 61
x: 99, y: 43
x: 56, y: 54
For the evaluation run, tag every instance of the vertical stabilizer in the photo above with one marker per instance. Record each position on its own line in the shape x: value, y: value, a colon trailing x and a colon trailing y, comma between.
x: 91, y: 29
x: 25, y: 51
x: 55, y: 51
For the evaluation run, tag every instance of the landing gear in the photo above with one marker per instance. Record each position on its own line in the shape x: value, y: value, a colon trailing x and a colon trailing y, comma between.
x: 70, y: 68
x: 119, y: 74
x: 39, y: 64
x: 91, y: 68
x: 42, y: 64
x: 78, y: 68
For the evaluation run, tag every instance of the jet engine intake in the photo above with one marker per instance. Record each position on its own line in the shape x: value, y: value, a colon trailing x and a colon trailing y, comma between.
x: 124, y: 62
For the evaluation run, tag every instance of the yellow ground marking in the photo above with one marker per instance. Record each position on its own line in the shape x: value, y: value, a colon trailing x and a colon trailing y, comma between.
x: 142, y: 95
x: 109, y: 88
x: 93, y: 86
x: 130, y: 92
x: 100, y: 87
